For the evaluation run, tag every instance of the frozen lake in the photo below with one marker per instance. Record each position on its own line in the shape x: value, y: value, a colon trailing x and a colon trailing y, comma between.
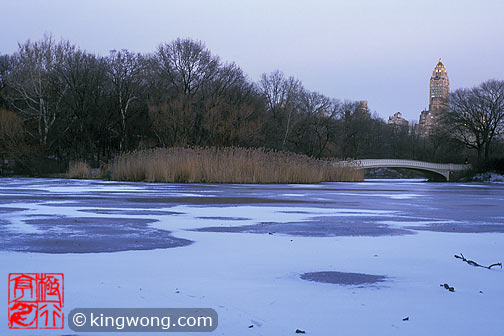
x: 331, y: 258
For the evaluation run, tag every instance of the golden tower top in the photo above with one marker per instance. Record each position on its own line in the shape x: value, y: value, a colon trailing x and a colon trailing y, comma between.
x: 439, y: 67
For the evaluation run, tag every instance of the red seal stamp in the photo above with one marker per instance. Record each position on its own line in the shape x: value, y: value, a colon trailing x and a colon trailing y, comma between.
x: 36, y: 300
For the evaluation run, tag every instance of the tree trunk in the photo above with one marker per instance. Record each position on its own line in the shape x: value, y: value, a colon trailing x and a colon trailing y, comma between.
x: 487, y: 150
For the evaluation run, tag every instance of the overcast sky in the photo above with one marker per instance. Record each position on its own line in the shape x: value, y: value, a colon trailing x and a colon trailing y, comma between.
x: 380, y: 51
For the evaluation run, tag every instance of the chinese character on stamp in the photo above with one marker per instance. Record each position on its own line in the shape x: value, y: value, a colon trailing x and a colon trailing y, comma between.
x: 36, y: 300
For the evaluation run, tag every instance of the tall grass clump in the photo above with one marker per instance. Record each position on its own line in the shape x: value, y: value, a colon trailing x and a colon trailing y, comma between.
x: 79, y: 170
x: 226, y: 165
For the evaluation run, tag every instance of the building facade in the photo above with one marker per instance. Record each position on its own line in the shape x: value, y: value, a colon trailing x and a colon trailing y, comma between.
x: 397, y: 120
x: 363, y: 109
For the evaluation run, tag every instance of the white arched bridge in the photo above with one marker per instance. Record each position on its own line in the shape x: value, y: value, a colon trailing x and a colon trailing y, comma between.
x: 443, y: 169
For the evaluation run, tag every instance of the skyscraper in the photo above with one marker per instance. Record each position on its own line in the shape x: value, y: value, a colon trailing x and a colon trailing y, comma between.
x: 439, y: 101
x: 439, y: 88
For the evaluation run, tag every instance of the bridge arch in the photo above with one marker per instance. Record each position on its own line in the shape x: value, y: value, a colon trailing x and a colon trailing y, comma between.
x: 443, y: 170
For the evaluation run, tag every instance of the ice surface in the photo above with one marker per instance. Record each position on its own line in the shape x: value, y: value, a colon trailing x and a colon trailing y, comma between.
x: 254, y: 278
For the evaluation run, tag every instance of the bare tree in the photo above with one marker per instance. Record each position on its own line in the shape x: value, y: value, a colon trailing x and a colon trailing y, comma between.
x: 228, y: 82
x: 87, y: 127
x: 184, y: 70
x: 282, y: 97
x: 312, y: 132
x: 186, y: 65
x: 126, y: 76
x: 477, y: 115
x: 353, y: 126
x: 173, y: 120
x: 35, y: 94
x: 228, y: 101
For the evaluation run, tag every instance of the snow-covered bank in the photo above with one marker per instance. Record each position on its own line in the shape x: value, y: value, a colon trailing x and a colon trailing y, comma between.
x: 488, y: 177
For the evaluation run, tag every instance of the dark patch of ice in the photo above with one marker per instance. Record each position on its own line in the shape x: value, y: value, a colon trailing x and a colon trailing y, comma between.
x: 326, y: 226
x: 212, y: 200
x: 460, y: 228
x: 87, y: 235
x: 8, y: 210
x: 131, y: 212
x: 341, y: 278
x: 224, y: 218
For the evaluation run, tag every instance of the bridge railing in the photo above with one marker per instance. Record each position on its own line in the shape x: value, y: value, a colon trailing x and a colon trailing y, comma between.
x: 370, y: 163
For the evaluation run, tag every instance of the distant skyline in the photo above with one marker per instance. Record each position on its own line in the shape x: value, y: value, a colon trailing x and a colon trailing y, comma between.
x: 380, y: 51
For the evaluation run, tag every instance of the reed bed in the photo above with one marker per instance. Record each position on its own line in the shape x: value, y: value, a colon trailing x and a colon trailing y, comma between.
x: 79, y: 170
x: 226, y: 165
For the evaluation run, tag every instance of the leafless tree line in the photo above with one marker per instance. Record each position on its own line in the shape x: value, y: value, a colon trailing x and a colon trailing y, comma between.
x: 70, y: 104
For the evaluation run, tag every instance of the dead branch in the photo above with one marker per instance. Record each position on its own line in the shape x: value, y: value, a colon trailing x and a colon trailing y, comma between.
x: 448, y: 287
x: 475, y: 264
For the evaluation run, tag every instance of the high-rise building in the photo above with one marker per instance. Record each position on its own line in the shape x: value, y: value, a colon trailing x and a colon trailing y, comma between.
x: 439, y: 84
x: 397, y: 120
x: 363, y: 108
x: 439, y: 101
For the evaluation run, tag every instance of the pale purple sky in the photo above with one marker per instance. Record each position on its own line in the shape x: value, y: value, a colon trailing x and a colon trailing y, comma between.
x: 381, y: 51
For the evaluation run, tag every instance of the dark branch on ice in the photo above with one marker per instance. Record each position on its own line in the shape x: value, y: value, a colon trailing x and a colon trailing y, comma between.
x: 475, y: 264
